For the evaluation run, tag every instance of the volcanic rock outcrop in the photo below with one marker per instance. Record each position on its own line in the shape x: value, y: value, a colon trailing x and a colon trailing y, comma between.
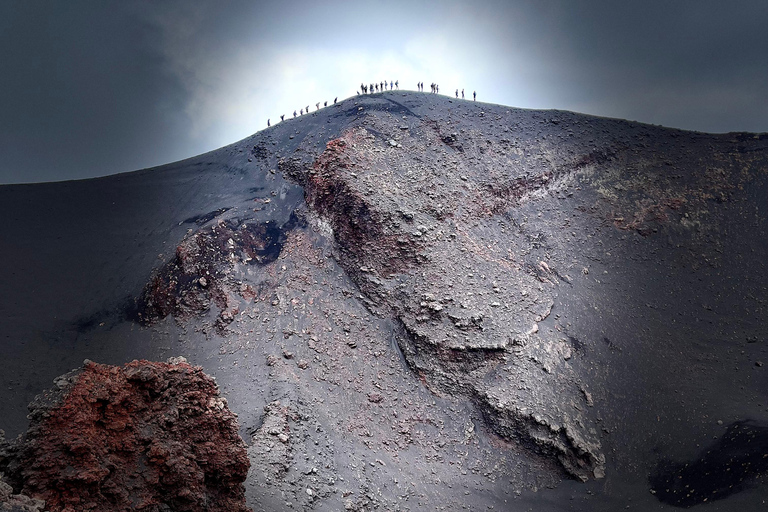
x: 410, y: 214
x: 144, y: 436
x: 199, y: 274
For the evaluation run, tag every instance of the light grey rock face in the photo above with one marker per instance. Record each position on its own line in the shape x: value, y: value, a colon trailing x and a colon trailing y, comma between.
x: 464, y: 281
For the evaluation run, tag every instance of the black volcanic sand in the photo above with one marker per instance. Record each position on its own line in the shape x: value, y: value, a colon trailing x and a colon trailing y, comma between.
x: 649, y: 310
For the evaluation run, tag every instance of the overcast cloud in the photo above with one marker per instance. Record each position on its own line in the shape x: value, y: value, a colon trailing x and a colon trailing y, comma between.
x: 99, y: 87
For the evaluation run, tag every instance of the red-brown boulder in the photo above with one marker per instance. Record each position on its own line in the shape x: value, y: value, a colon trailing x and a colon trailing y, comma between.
x: 145, y: 436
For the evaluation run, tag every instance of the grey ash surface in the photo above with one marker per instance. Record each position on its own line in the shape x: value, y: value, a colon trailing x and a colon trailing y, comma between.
x: 480, y: 305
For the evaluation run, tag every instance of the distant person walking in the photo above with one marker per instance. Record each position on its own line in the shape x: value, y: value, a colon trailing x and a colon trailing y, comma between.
x: 317, y: 105
x: 474, y: 95
x: 307, y: 109
x: 325, y: 103
x: 282, y: 117
x: 334, y: 100
x: 301, y: 112
x: 462, y: 94
x: 457, y: 93
x: 268, y: 125
x: 391, y: 85
x: 397, y: 84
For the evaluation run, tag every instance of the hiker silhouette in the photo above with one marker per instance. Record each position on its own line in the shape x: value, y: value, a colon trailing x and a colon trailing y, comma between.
x: 268, y: 123
x: 282, y: 117
x: 474, y: 95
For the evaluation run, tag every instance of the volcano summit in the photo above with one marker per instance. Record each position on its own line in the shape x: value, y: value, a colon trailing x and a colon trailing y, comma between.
x: 413, y: 302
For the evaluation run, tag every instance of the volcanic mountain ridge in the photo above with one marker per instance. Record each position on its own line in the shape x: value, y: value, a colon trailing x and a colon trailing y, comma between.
x: 423, y: 286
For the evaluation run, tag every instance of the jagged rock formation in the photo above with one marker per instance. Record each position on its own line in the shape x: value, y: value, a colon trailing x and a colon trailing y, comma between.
x: 144, y: 436
x: 410, y: 214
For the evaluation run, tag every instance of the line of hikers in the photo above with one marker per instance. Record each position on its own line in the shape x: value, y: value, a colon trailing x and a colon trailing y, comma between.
x: 301, y: 111
x: 379, y: 87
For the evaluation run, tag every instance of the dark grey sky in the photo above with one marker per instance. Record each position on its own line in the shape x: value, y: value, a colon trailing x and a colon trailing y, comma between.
x: 90, y: 88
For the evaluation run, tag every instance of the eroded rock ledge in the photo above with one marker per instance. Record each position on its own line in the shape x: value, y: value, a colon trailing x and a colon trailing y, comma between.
x: 143, y: 436
x: 416, y: 216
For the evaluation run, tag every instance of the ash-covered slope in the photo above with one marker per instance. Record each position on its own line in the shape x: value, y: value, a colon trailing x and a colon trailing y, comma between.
x: 415, y: 302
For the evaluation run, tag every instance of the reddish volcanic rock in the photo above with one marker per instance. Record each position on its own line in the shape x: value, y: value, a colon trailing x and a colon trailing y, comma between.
x: 144, y: 436
x: 198, y: 279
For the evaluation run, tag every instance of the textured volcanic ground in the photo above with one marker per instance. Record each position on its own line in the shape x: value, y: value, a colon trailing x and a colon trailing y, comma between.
x: 418, y: 303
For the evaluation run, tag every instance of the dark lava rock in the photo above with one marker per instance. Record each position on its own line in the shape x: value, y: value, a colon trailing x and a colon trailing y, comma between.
x: 144, y: 436
x: 10, y: 502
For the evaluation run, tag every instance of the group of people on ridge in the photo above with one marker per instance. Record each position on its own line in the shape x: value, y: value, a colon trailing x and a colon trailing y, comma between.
x: 436, y: 90
x: 379, y: 87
